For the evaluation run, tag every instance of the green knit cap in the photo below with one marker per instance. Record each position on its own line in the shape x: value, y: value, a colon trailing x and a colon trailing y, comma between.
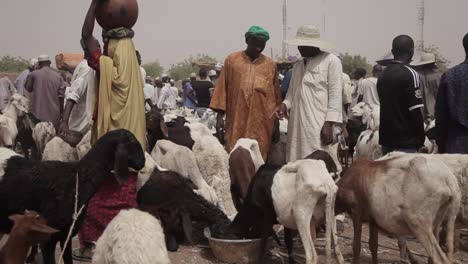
x: 258, y: 32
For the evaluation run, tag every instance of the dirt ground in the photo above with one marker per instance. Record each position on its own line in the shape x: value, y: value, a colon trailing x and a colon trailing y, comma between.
x: 388, y: 251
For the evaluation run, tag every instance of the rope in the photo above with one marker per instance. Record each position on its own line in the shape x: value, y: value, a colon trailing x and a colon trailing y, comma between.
x: 75, y: 217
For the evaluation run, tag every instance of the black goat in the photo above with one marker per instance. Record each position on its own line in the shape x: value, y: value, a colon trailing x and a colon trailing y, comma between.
x: 174, y: 131
x: 49, y: 187
x: 25, y: 125
x: 170, y: 198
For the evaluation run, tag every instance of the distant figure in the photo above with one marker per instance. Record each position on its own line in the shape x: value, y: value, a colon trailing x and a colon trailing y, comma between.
x: 7, y: 89
x: 188, y: 95
x: 48, y: 92
x: 149, y: 91
x: 142, y: 70
x: 247, y: 91
x: 285, y: 83
x: 202, y: 91
x: 359, y: 75
x: 401, y: 120
x: 79, y: 103
x: 451, y: 110
x: 167, y: 98
x: 430, y: 81
x: 314, y: 99
x: 368, y: 87
x: 21, y: 80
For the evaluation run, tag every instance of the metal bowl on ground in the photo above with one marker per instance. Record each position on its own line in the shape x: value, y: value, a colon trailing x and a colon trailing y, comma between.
x: 246, y: 251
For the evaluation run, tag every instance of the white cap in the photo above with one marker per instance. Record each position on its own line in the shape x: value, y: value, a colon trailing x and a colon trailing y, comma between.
x: 43, y: 57
x: 164, y: 75
x: 33, y: 62
x: 219, y: 66
x: 212, y: 73
x: 193, y: 75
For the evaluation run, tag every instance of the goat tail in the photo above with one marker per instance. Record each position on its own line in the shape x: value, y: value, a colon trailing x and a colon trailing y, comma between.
x: 331, y: 234
x: 454, y: 206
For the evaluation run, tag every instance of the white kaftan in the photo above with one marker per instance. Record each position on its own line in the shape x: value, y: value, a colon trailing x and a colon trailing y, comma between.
x: 314, y: 96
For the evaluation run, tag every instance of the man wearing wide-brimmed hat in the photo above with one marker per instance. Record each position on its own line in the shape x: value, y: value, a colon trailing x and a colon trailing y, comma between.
x: 425, y: 65
x: 314, y: 98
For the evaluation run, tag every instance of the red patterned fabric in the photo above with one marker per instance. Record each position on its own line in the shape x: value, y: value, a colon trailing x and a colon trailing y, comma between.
x: 105, y: 205
x: 93, y: 60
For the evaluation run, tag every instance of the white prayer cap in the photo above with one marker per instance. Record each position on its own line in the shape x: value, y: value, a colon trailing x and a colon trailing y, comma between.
x: 193, y: 75
x: 157, y: 79
x: 212, y: 73
x: 43, y: 58
x: 164, y: 75
x: 219, y: 66
x: 33, y: 62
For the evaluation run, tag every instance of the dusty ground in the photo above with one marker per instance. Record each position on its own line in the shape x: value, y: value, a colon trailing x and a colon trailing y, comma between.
x: 388, y: 251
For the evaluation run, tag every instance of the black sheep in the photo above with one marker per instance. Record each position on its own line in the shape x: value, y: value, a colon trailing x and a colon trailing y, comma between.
x: 170, y: 198
x: 49, y: 187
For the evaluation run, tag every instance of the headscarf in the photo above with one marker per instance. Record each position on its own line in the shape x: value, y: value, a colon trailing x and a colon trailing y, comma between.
x: 258, y: 32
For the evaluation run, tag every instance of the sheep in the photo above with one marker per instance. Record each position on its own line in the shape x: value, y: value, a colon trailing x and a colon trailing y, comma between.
x: 293, y: 196
x: 5, y: 154
x: 132, y: 236
x: 171, y: 198
x: 16, y: 107
x: 244, y: 161
x: 180, y: 159
x: 368, y: 146
x: 370, y: 115
x: 29, y: 229
x: 42, y: 133
x: 401, y: 196
x: 213, y: 162
x: 57, y: 149
x: 145, y: 173
x: 157, y: 130
x: 84, y: 146
x: 209, y: 119
x: 49, y: 186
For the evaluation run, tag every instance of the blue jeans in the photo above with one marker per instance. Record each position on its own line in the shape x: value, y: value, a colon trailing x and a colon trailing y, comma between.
x: 386, y: 150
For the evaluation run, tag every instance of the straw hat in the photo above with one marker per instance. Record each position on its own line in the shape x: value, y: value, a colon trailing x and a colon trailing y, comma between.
x: 309, y: 35
x: 43, y: 58
x: 385, y: 60
x: 424, y: 59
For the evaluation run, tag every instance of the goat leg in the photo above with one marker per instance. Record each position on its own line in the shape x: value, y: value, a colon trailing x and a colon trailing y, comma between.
x: 373, y: 241
x: 32, y: 254
x: 266, y: 232
x: 48, y: 251
x: 357, y: 226
x: 288, y: 240
x: 187, y: 226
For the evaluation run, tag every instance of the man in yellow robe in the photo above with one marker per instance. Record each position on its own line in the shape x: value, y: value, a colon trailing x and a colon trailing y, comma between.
x: 247, y: 91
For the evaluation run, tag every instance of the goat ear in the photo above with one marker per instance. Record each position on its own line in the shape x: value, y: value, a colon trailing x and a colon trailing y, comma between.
x: 164, y: 128
x: 121, y: 163
x: 187, y: 226
x: 45, y: 229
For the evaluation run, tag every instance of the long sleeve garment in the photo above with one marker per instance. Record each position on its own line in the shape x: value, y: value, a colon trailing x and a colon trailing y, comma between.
x: 314, y: 96
x: 7, y: 89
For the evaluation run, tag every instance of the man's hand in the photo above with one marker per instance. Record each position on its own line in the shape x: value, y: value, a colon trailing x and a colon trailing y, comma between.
x: 220, y: 127
x: 281, y: 111
x: 326, y: 135
x: 63, y: 126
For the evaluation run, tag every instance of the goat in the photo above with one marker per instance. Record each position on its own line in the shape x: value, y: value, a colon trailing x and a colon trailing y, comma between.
x: 29, y: 229
x: 42, y: 133
x: 157, y: 130
x: 171, y: 198
x: 58, y: 149
x: 132, y: 236
x: 401, y: 196
x: 17, y: 106
x: 292, y: 195
x: 49, y: 186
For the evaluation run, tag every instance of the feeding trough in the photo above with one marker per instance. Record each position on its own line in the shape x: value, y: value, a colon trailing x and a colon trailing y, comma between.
x: 245, y: 251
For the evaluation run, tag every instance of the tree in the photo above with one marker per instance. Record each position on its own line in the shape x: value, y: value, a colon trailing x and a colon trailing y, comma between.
x: 183, y: 69
x: 441, y: 61
x: 351, y: 63
x: 13, y: 64
x: 153, y: 69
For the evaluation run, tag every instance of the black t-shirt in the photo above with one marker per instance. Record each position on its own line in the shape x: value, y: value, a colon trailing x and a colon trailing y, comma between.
x: 399, y: 93
x: 202, y: 90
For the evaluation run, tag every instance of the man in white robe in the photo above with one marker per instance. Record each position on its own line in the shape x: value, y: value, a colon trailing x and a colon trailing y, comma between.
x: 314, y: 99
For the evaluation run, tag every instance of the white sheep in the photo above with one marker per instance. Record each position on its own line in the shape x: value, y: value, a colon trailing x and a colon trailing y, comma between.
x: 303, y: 191
x: 17, y: 106
x: 370, y: 116
x: 182, y: 160
x: 213, y: 162
x: 57, y: 149
x: 132, y: 237
x: 84, y: 146
x: 42, y: 133
x: 368, y: 145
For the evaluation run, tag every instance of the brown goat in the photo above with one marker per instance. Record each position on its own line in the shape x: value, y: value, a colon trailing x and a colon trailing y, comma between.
x: 29, y: 229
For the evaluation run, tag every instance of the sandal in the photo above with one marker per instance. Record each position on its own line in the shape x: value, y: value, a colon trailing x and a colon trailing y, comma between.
x: 84, y: 255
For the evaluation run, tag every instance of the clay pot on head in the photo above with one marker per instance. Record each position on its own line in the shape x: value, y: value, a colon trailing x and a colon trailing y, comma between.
x: 112, y: 14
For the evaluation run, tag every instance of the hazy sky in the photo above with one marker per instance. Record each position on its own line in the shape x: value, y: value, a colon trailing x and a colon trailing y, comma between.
x: 171, y: 30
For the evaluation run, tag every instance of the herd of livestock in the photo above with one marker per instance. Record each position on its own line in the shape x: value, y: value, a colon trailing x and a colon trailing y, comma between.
x: 186, y: 175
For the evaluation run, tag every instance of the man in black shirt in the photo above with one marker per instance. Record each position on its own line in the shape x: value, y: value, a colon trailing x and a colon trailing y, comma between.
x: 202, y: 90
x: 401, y: 121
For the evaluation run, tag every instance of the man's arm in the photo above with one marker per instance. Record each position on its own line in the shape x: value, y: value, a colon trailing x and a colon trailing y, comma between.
x: 28, y: 85
x: 88, y: 25
x: 415, y: 104
x: 442, y: 115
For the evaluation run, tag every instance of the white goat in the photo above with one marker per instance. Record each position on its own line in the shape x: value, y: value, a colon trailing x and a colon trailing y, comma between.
x: 304, y: 190
x: 131, y: 237
x: 42, y: 133
x: 367, y: 145
x: 180, y: 159
x: 84, y: 146
x: 17, y: 106
x: 57, y: 149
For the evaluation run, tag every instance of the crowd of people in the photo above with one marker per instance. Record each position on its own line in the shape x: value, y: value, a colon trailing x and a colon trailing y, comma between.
x: 110, y: 90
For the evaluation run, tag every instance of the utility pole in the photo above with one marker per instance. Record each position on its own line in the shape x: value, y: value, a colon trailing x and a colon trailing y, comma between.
x: 324, y: 17
x: 284, y: 52
x: 421, y: 14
